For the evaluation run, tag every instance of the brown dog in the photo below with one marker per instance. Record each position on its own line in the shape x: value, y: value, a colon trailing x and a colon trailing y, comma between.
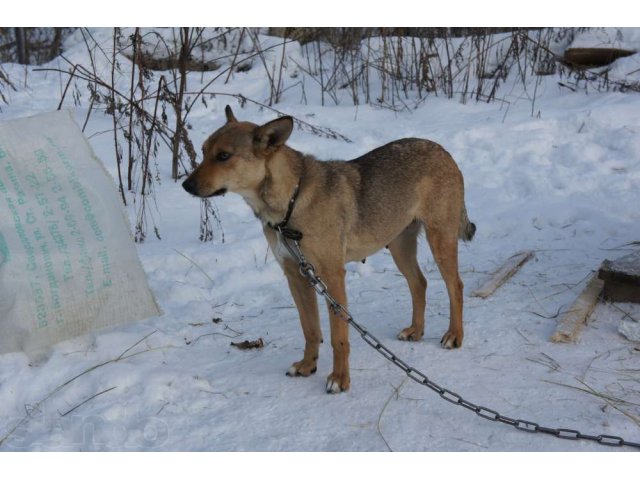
x: 346, y: 211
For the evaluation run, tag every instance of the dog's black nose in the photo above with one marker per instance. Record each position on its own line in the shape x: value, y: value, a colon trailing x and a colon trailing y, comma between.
x: 189, y: 185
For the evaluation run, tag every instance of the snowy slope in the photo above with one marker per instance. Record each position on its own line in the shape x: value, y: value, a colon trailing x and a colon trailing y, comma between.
x: 565, y: 183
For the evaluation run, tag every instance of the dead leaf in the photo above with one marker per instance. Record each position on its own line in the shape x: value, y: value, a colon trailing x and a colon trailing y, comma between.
x: 248, y: 344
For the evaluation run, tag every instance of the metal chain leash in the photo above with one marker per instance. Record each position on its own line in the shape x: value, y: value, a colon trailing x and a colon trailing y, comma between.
x: 308, y: 270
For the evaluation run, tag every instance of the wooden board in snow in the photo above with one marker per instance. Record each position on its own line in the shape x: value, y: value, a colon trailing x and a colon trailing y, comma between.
x: 500, y: 276
x: 571, y: 324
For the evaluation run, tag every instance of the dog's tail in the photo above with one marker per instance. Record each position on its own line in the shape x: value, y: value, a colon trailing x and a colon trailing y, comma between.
x: 467, y: 229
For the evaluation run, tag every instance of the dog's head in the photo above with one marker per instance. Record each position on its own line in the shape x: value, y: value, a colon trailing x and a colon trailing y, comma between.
x: 234, y: 157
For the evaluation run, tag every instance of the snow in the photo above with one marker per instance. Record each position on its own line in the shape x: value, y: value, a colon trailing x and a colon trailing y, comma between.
x: 564, y: 182
x: 622, y: 38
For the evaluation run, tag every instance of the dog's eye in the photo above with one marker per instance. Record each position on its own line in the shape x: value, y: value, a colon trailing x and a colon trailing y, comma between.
x: 223, y: 156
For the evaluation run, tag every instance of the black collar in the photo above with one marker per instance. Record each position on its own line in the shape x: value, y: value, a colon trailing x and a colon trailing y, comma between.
x: 282, y: 226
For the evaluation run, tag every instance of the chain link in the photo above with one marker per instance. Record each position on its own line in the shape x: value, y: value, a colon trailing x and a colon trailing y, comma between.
x: 308, y: 270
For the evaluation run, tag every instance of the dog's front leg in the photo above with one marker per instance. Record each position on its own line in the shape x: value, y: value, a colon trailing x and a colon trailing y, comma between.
x: 338, y: 380
x: 305, y: 299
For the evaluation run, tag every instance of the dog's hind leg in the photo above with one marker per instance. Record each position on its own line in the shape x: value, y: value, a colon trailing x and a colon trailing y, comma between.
x: 444, y: 246
x: 306, y: 301
x: 403, y: 249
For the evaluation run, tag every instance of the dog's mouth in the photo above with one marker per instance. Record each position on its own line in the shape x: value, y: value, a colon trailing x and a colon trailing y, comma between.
x: 218, y: 192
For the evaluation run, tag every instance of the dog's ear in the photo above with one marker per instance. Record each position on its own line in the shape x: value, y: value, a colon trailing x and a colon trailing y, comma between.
x: 231, y: 118
x: 273, y: 134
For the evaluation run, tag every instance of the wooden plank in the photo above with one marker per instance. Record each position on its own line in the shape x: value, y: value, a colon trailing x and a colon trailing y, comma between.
x: 622, y: 278
x: 571, y: 324
x: 504, y: 273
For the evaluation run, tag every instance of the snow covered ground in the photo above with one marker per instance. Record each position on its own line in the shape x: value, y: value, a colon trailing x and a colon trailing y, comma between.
x: 564, y: 182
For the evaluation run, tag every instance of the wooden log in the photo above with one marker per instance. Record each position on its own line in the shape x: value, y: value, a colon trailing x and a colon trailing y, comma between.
x: 173, y: 62
x: 571, y: 324
x: 506, y: 271
x: 594, y: 57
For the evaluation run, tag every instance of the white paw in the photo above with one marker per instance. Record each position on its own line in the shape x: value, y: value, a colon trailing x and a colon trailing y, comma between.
x: 451, y: 340
x: 333, y: 386
x: 410, y: 334
x: 449, y: 343
x: 292, y: 372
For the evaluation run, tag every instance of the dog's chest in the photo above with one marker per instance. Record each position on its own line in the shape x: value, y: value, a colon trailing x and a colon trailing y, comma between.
x: 280, y: 251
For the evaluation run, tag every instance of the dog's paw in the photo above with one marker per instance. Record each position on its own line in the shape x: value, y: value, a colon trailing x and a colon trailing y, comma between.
x: 451, y: 339
x: 303, y: 368
x: 337, y: 383
x: 410, y: 334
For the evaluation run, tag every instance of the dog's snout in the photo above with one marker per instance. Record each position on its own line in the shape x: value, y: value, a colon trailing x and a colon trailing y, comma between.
x: 189, y: 185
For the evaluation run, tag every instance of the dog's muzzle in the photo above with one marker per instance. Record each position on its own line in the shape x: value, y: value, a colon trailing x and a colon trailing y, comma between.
x: 217, y: 193
x: 190, y: 186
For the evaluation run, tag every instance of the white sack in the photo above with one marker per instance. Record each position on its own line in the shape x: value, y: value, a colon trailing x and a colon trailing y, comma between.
x: 68, y: 263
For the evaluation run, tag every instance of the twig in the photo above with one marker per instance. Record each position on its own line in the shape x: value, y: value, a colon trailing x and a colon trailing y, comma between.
x: 567, y: 286
x: 202, y: 91
x: 37, y: 405
x: 213, y: 393
x: 112, y: 99
x: 195, y: 265
x: 611, y: 401
x: 193, y: 342
x: 235, y: 56
x: 85, y: 401
x: 162, y: 407
x: 626, y: 314
x: 548, y: 317
x: 524, y: 336
x: 227, y: 327
x: 550, y: 363
x: 135, y: 345
x: 320, y: 131
x: 64, y: 93
x: 396, y: 392
x: 586, y: 370
x: 595, y: 393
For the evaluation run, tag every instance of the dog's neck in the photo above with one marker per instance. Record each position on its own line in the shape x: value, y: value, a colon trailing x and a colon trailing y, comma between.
x: 283, y: 173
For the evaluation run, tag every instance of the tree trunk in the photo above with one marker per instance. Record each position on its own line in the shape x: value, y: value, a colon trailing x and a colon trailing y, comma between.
x: 21, y: 45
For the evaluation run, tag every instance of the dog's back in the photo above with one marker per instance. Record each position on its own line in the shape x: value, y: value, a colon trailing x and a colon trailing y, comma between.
x: 389, y: 187
x: 396, y: 170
